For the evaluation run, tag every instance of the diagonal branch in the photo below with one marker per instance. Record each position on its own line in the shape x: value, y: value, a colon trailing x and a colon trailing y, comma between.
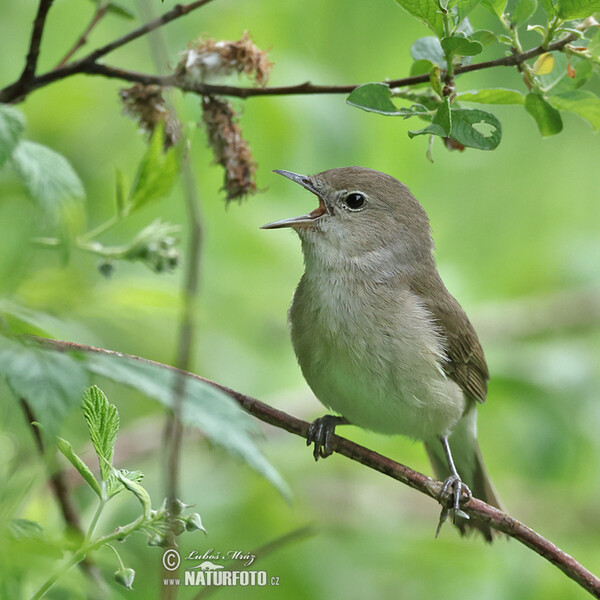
x: 474, y: 508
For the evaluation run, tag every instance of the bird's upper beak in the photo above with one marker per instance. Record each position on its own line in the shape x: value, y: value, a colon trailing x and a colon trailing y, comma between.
x: 302, y: 220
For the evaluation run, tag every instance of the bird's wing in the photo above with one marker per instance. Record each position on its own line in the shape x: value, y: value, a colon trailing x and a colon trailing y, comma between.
x: 466, y: 362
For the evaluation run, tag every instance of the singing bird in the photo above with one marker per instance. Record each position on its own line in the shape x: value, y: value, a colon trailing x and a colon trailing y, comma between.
x: 378, y: 337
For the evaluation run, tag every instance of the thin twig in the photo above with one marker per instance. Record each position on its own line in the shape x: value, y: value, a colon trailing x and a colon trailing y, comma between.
x: 81, y: 41
x: 60, y: 490
x: 475, y: 508
x: 36, y: 41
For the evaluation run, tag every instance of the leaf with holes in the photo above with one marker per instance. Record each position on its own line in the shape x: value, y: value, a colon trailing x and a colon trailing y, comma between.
x: 476, y: 128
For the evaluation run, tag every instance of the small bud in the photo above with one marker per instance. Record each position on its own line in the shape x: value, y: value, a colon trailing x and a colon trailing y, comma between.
x: 125, y: 577
x: 156, y: 540
x: 106, y: 268
x: 194, y: 522
x: 178, y: 526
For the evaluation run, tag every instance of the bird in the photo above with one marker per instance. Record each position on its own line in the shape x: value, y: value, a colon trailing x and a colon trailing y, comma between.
x: 379, y: 339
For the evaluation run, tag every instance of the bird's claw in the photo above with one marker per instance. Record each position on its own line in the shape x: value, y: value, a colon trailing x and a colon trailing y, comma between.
x: 319, y: 433
x: 453, y: 489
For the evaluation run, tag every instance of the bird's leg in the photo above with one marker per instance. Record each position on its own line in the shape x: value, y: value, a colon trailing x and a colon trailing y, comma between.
x: 454, y: 483
x: 320, y: 432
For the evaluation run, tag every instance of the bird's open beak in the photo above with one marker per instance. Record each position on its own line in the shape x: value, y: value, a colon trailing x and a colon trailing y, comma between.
x: 302, y: 220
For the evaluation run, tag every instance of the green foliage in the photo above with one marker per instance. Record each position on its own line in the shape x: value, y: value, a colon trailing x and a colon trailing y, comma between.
x: 475, y: 128
x: 492, y: 96
x: 67, y: 451
x: 426, y: 11
x: 548, y: 119
x: 577, y: 9
x: 12, y: 124
x: 374, y: 97
x: 460, y: 46
x: 581, y: 102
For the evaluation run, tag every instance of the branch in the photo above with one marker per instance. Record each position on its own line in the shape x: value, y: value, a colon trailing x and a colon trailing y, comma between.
x: 36, y: 40
x: 90, y: 67
x: 475, y: 508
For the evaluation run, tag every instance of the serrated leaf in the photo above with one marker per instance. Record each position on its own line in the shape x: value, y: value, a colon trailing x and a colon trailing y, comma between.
x: 120, y: 11
x: 114, y: 486
x: 203, y: 406
x: 476, y: 128
x: 460, y: 46
x: 156, y: 173
x: 428, y: 48
x: 440, y: 125
x: 427, y: 11
x: 544, y: 64
x: 580, y: 102
x: 12, y: 123
x: 48, y: 177
x: 522, y: 11
x: 102, y: 419
x: 67, y: 451
x: 577, y: 9
x: 50, y: 382
x: 21, y: 529
x: 373, y: 97
x: 546, y: 116
x: 492, y: 96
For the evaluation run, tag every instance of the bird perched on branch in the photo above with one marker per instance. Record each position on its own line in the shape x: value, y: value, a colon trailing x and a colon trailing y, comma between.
x: 378, y: 337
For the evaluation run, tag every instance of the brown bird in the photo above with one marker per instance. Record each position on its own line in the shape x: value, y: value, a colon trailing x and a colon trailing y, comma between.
x: 378, y: 337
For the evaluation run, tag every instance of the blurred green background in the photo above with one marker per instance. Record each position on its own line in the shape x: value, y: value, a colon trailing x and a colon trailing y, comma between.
x: 517, y: 237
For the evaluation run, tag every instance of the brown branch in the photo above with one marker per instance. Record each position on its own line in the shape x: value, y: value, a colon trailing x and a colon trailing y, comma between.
x: 475, y: 508
x: 81, y: 41
x: 90, y: 67
x: 58, y: 484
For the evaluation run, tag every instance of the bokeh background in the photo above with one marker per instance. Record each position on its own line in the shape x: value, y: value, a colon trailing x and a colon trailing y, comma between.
x: 517, y: 232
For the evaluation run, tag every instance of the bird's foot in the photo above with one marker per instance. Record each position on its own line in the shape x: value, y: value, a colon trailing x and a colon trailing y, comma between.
x: 452, y: 490
x: 320, y: 432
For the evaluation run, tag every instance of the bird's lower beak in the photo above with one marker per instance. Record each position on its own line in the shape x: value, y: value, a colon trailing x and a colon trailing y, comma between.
x: 302, y: 220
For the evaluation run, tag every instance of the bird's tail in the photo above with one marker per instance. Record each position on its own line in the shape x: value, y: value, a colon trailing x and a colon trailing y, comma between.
x: 470, y: 466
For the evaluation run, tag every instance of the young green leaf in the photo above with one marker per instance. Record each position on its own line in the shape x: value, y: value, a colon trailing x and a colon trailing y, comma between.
x: 427, y: 11
x: 137, y: 490
x: 577, y: 9
x: 51, y: 382
x: 496, y: 7
x: 550, y: 6
x: 522, y: 11
x: 546, y: 116
x: 67, y: 451
x: 428, y: 48
x: 476, y: 128
x: 203, y: 406
x: 12, y: 123
x: 581, y: 102
x: 484, y: 37
x: 114, y: 486
x: 48, y: 177
x: 464, y: 7
x: 102, y: 419
x: 440, y: 125
x: 156, y: 173
x: 119, y: 10
x: 492, y: 96
x: 460, y: 46
x: 373, y: 97
x: 421, y: 67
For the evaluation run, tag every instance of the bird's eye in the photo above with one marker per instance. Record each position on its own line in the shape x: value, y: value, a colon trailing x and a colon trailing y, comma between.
x: 355, y: 201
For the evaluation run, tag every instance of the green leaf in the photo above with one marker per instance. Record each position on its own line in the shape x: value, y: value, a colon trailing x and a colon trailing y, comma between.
x: 12, y: 123
x: 523, y: 11
x: 476, y: 128
x: 51, y: 382
x: 120, y: 11
x: 67, y: 451
x: 48, y: 176
x: 577, y: 9
x: 550, y: 7
x: 204, y: 406
x: 428, y: 48
x: 484, y: 37
x: 427, y: 11
x: 156, y: 173
x: 546, y: 116
x: 421, y: 67
x: 119, y: 192
x: 114, y: 486
x: 24, y: 529
x: 460, y: 46
x: 440, y: 125
x: 464, y: 7
x: 373, y: 97
x: 102, y: 419
x: 492, y: 96
x: 581, y: 102
x: 137, y: 490
x: 496, y: 7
